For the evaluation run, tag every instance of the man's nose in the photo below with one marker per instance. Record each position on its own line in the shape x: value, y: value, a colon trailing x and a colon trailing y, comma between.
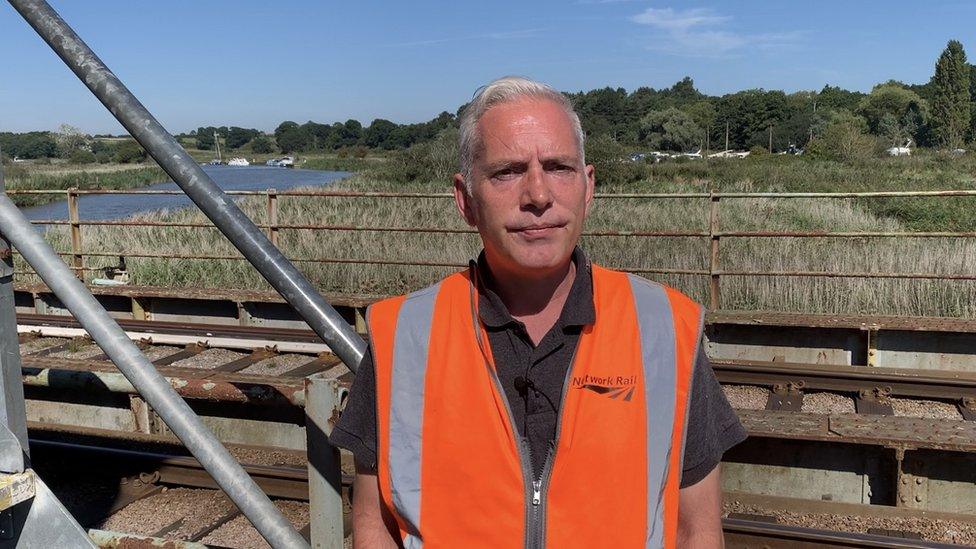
x: 536, y: 193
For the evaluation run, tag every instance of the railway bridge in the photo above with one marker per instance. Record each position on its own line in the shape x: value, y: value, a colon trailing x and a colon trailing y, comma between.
x: 145, y: 416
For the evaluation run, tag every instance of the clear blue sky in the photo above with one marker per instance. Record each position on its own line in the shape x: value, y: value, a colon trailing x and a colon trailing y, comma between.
x: 256, y: 63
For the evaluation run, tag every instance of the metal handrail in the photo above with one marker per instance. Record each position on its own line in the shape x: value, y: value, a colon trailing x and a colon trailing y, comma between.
x: 383, y: 194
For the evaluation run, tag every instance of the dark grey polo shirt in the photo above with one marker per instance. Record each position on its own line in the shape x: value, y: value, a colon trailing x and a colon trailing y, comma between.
x: 533, y: 377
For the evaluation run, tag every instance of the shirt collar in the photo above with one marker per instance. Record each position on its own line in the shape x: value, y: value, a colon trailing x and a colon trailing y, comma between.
x: 578, y: 310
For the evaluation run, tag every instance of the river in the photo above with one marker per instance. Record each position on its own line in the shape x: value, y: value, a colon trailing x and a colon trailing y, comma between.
x: 229, y: 178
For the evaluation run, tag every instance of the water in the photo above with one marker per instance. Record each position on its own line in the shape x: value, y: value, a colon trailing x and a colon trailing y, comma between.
x: 229, y: 178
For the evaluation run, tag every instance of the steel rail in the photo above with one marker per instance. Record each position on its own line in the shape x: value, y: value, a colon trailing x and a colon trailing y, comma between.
x: 741, y: 533
x: 913, y: 383
x: 182, y: 328
x: 198, y: 186
x: 281, y: 481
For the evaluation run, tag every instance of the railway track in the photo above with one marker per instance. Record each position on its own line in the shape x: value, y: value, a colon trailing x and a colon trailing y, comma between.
x: 756, y: 534
x: 251, y: 386
x: 290, y: 482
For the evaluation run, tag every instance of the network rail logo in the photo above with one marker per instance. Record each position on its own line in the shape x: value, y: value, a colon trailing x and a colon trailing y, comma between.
x: 615, y: 387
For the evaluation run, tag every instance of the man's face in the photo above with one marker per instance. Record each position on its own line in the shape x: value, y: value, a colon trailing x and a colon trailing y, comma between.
x: 530, y: 190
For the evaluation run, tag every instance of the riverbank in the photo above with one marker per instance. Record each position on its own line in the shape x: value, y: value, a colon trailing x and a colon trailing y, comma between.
x: 85, y: 176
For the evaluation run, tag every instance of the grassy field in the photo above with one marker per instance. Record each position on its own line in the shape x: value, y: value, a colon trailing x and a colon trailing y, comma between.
x: 826, y: 295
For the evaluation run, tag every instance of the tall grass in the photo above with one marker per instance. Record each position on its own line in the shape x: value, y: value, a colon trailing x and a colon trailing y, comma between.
x: 61, y: 177
x: 821, y: 295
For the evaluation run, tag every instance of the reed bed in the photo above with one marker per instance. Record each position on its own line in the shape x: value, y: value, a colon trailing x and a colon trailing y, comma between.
x: 801, y: 294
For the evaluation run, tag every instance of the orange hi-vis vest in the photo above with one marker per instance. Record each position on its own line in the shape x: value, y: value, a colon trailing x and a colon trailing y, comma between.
x: 453, y: 469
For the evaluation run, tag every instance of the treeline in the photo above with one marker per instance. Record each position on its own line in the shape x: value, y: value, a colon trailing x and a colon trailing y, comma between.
x: 832, y: 122
x: 939, y: 113
x: 72, y: 144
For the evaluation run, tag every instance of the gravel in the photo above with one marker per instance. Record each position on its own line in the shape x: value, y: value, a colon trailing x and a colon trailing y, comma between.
x: 261, y: 456
x: 827, y: 403
x: 150, y: 515
x: 239, y: 533
x: 209, y: 359
x: 746, y: 397
x: 159, y: 351
x: 40, y: 343
x: 931, y: 409
x: 278, y: 364
x: 938, y: 530
x: 79, y: 351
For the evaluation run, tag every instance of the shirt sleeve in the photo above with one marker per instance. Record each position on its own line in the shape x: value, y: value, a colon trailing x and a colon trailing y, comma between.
x: 356, y: 429
x: 713, y: 426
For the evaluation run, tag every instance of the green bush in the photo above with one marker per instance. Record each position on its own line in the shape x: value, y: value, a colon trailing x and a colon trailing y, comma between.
x: 430, y: 161
x: 611, y: 162
x: 845, y: 139
x: 262, y: 145
x: 129, y: 152
x: 758, y: 150
x: 81, y: 156
x: 103, y: 157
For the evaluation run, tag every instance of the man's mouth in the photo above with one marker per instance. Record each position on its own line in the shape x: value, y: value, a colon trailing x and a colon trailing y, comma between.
x: 539, y: 229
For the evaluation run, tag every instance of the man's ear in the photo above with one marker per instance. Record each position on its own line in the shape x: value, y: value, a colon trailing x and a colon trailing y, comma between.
x: 590, y: 173
x: 463, y: 201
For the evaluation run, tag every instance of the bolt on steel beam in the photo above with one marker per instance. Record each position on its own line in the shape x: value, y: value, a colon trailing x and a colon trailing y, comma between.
x: 237, y: 227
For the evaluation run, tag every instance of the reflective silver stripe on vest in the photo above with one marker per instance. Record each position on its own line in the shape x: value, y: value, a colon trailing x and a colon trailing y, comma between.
x: 410, y: 344
x: 657, y: 341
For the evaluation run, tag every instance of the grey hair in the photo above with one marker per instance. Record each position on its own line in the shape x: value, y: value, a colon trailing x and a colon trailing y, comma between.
x: 504, y: 90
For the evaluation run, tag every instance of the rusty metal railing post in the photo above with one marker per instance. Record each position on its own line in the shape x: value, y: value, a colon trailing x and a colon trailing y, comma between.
x: 715, y: 277
x: 77, y: 255
x: 273, y: 216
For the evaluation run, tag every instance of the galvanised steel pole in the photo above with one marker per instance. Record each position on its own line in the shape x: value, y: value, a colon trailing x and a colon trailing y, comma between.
x: 241, y: 231
x: 177, y: 414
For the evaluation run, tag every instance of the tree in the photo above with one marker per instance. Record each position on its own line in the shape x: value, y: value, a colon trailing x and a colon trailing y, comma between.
x: 844, y: 138
x: 70, y: 139
x: 893, y: 111
x: 671, y: 130
x: 952, y: 103
x: 294, y: 139
x: 205, y: 138
x: 238, y: 137
x: 129, y: 151
x: 377, y: 135
x: 262, y: 145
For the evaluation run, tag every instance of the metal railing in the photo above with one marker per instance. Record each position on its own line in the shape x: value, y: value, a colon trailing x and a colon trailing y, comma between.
x: 713, y: 234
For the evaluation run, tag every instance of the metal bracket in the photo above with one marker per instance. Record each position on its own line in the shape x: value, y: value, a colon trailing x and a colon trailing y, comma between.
x: 876, y: 401
x: 967, y: 407
x: 786, y: 396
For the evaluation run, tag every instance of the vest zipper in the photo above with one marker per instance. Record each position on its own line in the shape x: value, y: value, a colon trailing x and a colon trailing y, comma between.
x: 536, y: 526
x: 535, y: 490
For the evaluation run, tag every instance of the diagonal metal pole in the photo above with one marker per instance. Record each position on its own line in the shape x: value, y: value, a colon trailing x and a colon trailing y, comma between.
x: 241, y: 231
x: 177, y: 414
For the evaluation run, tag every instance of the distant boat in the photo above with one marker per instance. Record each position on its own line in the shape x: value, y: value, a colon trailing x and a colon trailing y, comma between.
x: 219, y: 161
x: 238, y: 162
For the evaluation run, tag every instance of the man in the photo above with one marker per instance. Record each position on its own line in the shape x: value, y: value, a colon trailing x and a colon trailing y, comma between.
x: 535, y: 400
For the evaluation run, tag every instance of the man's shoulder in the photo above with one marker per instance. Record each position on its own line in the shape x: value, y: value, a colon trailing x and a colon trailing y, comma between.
x: 673, y: 294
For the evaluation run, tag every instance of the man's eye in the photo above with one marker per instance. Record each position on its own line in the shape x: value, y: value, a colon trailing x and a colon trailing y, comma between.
x: 505, y: 174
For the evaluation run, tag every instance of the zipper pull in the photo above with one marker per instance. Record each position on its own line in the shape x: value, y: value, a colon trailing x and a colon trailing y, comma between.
x: 536, y: 492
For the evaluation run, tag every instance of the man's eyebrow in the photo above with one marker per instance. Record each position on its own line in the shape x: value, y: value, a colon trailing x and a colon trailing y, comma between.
x: 501, y: 164
x: 571, y: 160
